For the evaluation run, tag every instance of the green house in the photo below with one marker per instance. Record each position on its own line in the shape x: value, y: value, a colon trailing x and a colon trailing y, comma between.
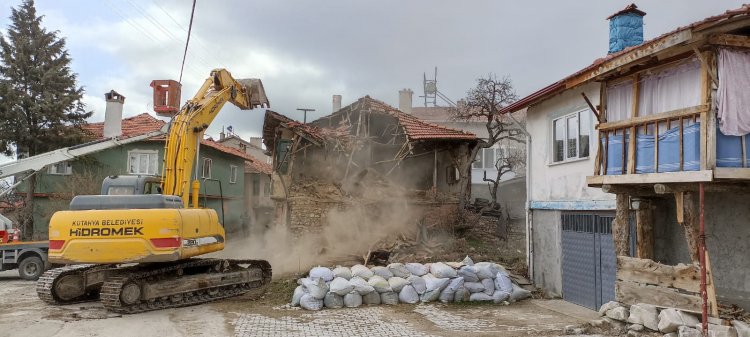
x: 220, y: 170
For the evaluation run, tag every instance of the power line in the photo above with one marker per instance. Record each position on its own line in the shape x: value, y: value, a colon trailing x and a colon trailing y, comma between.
x: 190, y: 29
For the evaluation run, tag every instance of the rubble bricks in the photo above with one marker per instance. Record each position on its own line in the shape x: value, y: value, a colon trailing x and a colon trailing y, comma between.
x: 645, y: 315
x: 642, y: 318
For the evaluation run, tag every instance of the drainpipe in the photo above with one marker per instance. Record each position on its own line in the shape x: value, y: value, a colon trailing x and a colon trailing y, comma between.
x: 529, y: 222
x: 702, y: 253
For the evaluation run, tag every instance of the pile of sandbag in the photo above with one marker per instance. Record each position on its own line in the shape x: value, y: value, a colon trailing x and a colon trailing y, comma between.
x: 406, y: 283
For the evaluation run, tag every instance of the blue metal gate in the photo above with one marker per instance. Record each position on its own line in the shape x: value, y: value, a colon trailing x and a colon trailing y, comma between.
x: 588, y: 261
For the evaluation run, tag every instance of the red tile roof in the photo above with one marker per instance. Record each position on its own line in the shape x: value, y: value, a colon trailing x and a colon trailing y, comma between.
x: 256, y: 165
x: 145, y: 123
x: 563, y: 84
x: 415, y: 128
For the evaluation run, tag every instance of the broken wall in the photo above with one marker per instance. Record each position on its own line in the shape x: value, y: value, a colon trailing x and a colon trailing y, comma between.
x: 727, y: 223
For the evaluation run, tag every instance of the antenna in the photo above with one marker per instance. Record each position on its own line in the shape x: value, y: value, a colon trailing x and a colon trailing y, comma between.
x: 431, y: 92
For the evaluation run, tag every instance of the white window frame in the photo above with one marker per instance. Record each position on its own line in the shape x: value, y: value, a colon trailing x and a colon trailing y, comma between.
x: 577, y: 157
x: 207, y: 163
x: 232, y: 174
x: 54, y: 168
x: 149, y: 153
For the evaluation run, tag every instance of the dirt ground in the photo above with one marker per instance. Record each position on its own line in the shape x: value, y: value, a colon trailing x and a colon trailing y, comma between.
x: 23, y: 314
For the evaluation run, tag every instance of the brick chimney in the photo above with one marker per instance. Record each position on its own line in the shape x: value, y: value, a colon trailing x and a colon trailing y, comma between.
x: 404, y: 100
x: 336, y: 103
x: 625, y: 28
x: 113, y: 114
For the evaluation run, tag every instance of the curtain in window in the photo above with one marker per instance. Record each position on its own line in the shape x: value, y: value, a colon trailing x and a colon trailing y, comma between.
x: 671, y: 89
x: 733, y: 95
x: 619, y: 101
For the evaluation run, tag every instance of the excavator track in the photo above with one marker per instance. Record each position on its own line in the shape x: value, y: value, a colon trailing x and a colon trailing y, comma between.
x: 50, y: 289
x: 138, y: 290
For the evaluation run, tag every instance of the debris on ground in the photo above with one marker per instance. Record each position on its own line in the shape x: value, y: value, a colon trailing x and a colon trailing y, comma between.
x: 409, y: 283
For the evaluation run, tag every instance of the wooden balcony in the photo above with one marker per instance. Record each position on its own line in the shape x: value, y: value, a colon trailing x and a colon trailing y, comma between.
x: 673, y: 147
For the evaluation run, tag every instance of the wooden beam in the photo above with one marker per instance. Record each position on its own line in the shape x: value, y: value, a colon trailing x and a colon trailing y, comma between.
x: 706, y: 65
x: 674, y: 114
x: 633, y: 190
x: 593, y: 109
x: 679, y: 201
x: 644, y: 218
x: 732, y: 173
x: 690, y: 225
x: 632, y: 293
x: 730, y: 40
x: 598, y: 159
x: 732, y: 187
x: 711, y: 288
x: 651, y: 178
x: 631, y: 150
x: 620, y: 226
x: 705, y: 87
x: 646, y: 271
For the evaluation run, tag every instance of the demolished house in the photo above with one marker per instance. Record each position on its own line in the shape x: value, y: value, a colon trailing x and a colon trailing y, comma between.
x: 642, y: 157
x: 366, y: 153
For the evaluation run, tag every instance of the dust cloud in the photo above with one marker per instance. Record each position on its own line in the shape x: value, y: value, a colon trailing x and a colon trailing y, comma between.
x: 348, y: 233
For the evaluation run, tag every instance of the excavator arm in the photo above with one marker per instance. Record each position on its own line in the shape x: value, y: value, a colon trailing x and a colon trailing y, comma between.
x: 189, y: 125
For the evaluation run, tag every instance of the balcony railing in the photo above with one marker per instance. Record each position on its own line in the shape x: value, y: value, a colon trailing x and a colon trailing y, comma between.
x: 684, y: 143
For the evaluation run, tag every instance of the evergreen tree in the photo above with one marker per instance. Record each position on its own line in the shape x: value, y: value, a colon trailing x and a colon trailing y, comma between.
x: 40, y: 103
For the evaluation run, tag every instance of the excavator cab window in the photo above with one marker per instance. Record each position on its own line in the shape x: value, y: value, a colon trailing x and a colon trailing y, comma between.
x: 121, y: 190
x: 152, y: 188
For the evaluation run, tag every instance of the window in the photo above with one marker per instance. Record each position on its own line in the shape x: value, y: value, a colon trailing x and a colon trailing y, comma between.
x: 282, y: 155
x: 570, y: 139
x: 232, y: 174
x: 486, y: 158
x: 207, y: 168
x: 267, y: 188
x: 143, y: 162
x: 452, y: 175
x: 61, y: 168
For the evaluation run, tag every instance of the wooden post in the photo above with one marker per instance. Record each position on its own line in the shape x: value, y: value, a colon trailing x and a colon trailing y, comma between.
x: 690, y: 225
x: 631, y: 150
x: 705, y: 88
x: 598, y: 160
x: 679, y: 202
x: 435, y: 174
x: 645, y: 231
x: 656, y: 147
x: 620, y: 226
x: 711, y: 288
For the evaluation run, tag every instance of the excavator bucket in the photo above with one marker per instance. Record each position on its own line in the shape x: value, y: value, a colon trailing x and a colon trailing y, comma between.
x: 256, y: 93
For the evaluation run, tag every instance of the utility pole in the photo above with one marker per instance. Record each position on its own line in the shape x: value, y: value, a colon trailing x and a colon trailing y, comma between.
x: 305, y: 110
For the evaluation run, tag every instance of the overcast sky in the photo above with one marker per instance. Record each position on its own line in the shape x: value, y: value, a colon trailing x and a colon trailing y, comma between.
x: 306, y: 51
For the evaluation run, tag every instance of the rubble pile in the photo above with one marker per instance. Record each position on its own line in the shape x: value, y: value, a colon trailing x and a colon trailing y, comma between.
x: 643, y: 318
x: 407, y: 283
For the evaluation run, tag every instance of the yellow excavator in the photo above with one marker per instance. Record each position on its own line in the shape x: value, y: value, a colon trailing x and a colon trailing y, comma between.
x: 134, y: 246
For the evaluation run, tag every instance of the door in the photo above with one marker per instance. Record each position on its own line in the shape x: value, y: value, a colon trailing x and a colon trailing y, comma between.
x: 588, y: 261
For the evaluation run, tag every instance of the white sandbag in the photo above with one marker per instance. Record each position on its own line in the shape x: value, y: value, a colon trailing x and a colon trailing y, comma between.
x: 382, y: 272
x: 474, y: 287
x: 371, y: 298
x: 449, y: 292
x: 417, y: 269
x: 397, y: 283
x: 343, y: 272
x: 519, y: 293
x: 389, y: 298
x: 436, y: 283
x: 315, y: 287
x: 361, y: 271
x: 398, y: 269
x: 352, y: 299
x: 503, y: 283
x: 321, y: 272
x: 467, y: 261
x: 361, y: 286
x: 298, y: 292
x: 418, y: 283
x: 430, y: 296
x: 333, y: 301
x: 461, y: 295
x: 442, y: 270
x: 341, y: 286
x: 302, y: 280
x: 379, y: 283
x: 485, y: 270
x: 500, y: 296
x: 501, y: 269
x: 468, y: 273
x: 308, y: 302
x: 479, y: 297
x: 408, y: 295
x: 489, y: 286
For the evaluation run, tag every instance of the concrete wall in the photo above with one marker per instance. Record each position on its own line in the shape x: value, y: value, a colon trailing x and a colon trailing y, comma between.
x: 547, y: 261
x: 727, y: 221
x: 566, y: 180
x: 511, y: 195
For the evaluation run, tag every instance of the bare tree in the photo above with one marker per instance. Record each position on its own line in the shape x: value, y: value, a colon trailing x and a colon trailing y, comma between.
x: 485, y: 103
